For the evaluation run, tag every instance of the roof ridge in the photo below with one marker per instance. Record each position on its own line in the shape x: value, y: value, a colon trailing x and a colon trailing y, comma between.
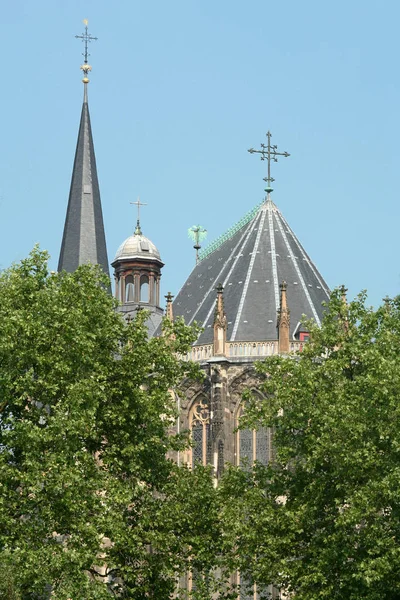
x: 217, y: 243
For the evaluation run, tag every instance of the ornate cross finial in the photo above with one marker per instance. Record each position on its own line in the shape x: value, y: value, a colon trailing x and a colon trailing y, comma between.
x: 269, y: 152
x: 138, y: 230
x: 86, y: 39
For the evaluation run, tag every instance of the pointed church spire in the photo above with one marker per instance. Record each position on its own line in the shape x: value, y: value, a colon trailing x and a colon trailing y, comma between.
x: 84, y: 238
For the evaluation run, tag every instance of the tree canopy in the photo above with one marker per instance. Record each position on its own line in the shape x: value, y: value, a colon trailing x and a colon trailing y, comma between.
x: 323, y: 521
x: 87, y: 493
x: 91, y: 506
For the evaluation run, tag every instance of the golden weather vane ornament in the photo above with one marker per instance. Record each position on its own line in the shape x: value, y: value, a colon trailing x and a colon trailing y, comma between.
x: 86, y: 39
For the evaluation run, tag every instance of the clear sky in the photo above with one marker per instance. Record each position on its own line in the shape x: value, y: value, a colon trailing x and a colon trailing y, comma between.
x: 179, y: 91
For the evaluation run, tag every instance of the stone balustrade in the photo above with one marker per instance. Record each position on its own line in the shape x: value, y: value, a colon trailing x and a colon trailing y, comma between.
x: 242, y: 349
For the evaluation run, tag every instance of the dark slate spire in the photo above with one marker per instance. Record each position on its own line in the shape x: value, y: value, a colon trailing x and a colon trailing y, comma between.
x: 251, y: 260
x: 84, y: 238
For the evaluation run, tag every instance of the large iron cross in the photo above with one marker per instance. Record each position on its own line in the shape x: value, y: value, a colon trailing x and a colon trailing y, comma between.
x: 86, y: 38
x: 269, y: 152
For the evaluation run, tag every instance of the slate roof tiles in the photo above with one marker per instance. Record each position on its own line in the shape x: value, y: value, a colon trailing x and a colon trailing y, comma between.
x: 251, y: 264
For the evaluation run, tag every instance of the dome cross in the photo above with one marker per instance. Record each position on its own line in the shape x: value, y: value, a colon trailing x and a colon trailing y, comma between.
x: 269, y: 153
x: 138, y: 204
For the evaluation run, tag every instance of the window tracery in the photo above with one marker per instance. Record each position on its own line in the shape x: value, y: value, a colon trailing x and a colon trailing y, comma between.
x: 200, y: 431
x: 252, y: 445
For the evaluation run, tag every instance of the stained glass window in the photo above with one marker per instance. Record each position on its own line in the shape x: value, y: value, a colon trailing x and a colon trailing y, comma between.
x: 200, y: 425
x: 262, y: 445
x: 246, y: 447
x: 197, y: 440
x: 253, y: 444
x: 208, y: 444
x: 221, y: 459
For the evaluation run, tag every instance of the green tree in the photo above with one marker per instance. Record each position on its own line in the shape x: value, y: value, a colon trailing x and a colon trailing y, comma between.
x: 87, y: 493
x: 8, y: 589
x: 191, y: 521
x: 323, y: 521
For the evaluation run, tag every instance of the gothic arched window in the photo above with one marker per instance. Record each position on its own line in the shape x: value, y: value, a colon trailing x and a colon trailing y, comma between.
x: 252, y: 445
x: 144, y: 289
x: 129, y: 289
x: 200, y: 431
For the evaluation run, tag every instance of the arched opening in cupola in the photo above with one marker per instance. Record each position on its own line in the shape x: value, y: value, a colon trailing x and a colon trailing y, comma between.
x: 129, y: 289
x: 144, y: 289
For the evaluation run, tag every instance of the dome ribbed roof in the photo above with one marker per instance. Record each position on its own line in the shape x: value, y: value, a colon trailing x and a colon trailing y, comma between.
x: 137, y: 246
x: 251, y: 261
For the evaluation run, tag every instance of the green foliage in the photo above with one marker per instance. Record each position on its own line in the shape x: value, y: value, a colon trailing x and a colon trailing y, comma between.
x: 323, y: 521
x: 8, y: 589
x: 86, y: 409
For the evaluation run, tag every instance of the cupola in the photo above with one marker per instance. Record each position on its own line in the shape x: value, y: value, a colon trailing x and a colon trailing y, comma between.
x: 137, y: 272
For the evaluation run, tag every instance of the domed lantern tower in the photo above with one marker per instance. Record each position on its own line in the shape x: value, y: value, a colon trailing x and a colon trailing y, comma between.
x: 137, y: 273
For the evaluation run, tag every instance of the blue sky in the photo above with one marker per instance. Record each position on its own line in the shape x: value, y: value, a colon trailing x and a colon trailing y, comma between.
x: 179, y: 91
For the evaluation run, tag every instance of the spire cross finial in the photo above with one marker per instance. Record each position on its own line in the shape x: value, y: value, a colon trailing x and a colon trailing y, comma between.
x: 138, y: 204
x: 270, y: 153
x: 86, y: 38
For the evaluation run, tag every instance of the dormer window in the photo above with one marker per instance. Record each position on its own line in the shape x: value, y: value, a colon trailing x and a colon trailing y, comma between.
x: 300, y: 333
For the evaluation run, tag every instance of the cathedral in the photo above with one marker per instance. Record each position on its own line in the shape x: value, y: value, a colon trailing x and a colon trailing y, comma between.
x: 249, y: 291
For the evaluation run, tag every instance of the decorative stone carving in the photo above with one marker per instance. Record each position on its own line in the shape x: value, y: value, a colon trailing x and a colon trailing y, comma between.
x: 283, y: 321
x: 220, y: 324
